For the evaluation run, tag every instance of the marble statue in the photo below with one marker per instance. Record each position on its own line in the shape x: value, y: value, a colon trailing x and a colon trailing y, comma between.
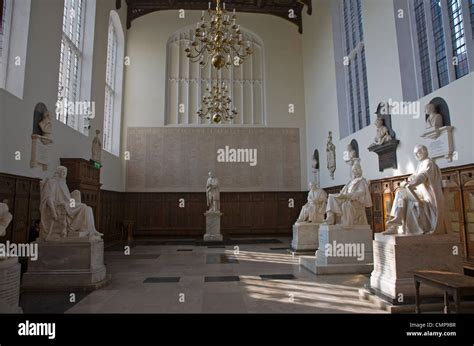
x: 315, y: 159
x: 46, y: 125
x: 383, y: 134
x: 350, y: 155
x: 434, y: 120
x: 5, y: 218
x: 351, y: 202
x: 418, y: 207
x: 62, y: 216
x: 96, y: 147
x: 314, y: 210
x: 212, y: 193
x: 331, y: 155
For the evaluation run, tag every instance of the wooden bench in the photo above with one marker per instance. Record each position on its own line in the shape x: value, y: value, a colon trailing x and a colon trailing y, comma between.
x: 454, y: 284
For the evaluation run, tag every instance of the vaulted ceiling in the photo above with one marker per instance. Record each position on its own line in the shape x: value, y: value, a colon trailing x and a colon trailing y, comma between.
x: 280, y: 8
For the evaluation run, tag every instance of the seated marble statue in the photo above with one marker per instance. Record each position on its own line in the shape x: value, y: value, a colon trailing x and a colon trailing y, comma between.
x: 418, y: 207
x: 349, y: 205
x: 62, y: 216
x: 434, y: 120
x: 5, y: 218
x: 383, y: 135
x: 314, y: 210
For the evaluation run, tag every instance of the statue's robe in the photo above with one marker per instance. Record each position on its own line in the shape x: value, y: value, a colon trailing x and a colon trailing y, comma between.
x: 349, y: 209
x: 425, y: 215
x: 79, y: 217
x: 212, y: 193
x: 314, y: 210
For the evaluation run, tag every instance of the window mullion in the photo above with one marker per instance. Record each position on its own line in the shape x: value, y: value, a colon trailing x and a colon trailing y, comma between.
x: 431, y: 46
x: 448, y: 41
x: 468, y: 32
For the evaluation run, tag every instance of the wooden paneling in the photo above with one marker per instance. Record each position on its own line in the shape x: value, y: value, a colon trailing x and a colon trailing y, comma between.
x: 22, y: 195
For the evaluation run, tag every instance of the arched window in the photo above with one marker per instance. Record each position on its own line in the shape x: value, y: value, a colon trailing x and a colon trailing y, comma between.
x: 435, y: 44
x: 186, y: 82
x: 113, y: 85
x: 14, y: 25
x: 75, y: 69
x: 351, y: 69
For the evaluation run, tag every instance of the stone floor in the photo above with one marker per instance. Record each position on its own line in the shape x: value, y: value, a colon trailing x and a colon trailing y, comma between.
x: 188, y: 276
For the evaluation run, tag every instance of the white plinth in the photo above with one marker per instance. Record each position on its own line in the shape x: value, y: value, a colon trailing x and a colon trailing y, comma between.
x: 40, y: 151
x: 305, y: 237
x: 397, y: 257
x: 341, y: 251
x: 440, y: 142
x: 213, y: 226
x: 67, y: 265
x: 10, y: 271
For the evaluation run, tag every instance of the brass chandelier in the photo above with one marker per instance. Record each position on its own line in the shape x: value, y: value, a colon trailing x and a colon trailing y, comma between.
x: 217, y: 105
x: 219, y: 40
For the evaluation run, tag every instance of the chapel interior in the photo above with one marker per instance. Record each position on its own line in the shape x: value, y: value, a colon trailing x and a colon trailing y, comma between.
x: 238, y: 156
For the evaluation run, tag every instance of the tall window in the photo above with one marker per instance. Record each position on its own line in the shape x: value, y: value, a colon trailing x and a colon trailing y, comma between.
x: 187, y: 82
x: 113, y: 85
x: 75, y: 68
x: 438, y: 47
x: 354, y: 93
x: 5, y: 21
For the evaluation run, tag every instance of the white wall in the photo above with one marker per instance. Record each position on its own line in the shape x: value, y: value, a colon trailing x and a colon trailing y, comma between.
x: 145, y: 78
x: 383, y: 72
x: 41, y: 83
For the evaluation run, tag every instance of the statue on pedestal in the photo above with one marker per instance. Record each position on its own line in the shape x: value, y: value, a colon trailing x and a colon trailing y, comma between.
x: 314, y: 210
x: 96, y: 148
x: 383, y: 134
x: 331, y: 155
x: 46, y: 125
x: 63, y: 216
x: 351, y: 202
x: 5, y: 218
x: 418, y: 207
x: 213, y: 193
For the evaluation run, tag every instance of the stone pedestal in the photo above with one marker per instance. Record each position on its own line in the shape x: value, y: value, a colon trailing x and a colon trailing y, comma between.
x: 305, y: 237
x: 213, y: 226
x: 10, y: 271
x: 40, y: 151
x: 440, y: 142
x: 397, y: 257
x: 69, y: 264
x: 341, y: 251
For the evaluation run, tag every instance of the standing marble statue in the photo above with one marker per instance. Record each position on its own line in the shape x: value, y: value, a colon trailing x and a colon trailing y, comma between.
x: 351, y: 202
x: 5, y: 218
x: 61, y: 215
x: 96, y: 148
x: 418, y: 207
x: 213, y: 193
x: 331, y: 155
x: 434, y: 120
x: 314, y: 209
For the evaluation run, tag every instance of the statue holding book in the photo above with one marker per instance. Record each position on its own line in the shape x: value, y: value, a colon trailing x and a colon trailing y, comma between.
x: 418, y: 207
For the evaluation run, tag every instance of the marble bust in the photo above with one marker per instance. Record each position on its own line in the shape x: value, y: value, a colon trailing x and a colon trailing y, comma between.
x: 62, y: 216
x: 331, y: 155
x: 46, y: 125
x: 418, y: 207
x: 5, y: 218
x: 315, y: 208
x: 96, y: 147
x: 434, y: 120
x: 213, y: 193
x: 383, y: 134
x: 349, y: 205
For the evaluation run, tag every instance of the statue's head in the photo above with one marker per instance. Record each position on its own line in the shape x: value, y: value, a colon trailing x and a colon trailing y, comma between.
x: 430, y: 108
x: 312, y: 186
x: 97, y: 132
x: 210, y: 174
x: 357, y: 169
x: 3, y: 208
x: 60, y: 172
x: 378, y: 122
x: 421, y: 152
